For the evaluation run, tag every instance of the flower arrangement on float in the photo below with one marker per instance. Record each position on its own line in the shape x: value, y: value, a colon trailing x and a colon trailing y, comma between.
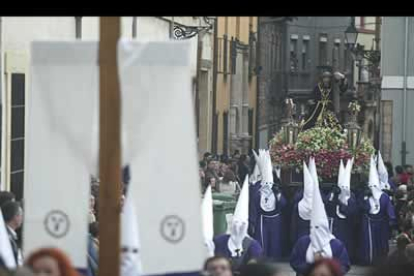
x: 327, y: 142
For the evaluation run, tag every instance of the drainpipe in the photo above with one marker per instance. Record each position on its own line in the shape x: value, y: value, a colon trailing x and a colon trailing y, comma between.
x: 214, y: 105
x: 404, y: 119
x: 258, y: 79
x: 2, y: 117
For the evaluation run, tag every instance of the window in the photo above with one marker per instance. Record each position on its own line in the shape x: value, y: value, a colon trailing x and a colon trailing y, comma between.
x: 17, y: 133
x: 294, y: 53
x: 215, y: 133
x: 225, y: 56
x: 233, y: 51
x: 250, y: 126
x: 323, y: 40
x: 252, y: 54
x: 305, y: 53
x: 238, y: 27
x: 225, y: 132
x: 335, y: 54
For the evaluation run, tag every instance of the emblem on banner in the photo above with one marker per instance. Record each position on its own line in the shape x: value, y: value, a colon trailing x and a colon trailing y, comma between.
x: 57, y: 224
x: 172, y: 229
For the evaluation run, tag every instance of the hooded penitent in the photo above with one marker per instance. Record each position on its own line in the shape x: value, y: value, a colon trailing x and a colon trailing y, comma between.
x: 256, y: 176
x: 382, y: 173
x: 267, y: 197
x: 320, y: 235
x: 130, y: 258
x: 313, y: 172
x: 240, y: 222
x: 344, y: 183
x: 207, y: 219
x: 374, y: 185
x: 305, y: 204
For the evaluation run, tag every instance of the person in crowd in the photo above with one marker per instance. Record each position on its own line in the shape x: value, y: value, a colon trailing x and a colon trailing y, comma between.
x: 402, y: 177
x: 13, y: 217
x: 238, y: 246
x: 260, y: 268
x: 213, y: 183
x: 409, y: 171
x: 207, y: 157
x: 6, y: 196
x: 213, y: 168
x: 92, y: 217
x: 236, y: 155
x: 218, y: 266
x: 93, y: 249
x: 201, y: 171
x: 222, y: 169
x: 229, y: 184
x: 266, y: 211
x: 401, y: 202
x: 398, y: 256
x: 341, y: 208
x: 320, y: 243
x: 325, y: 267
x: 378, y: 217
x: 50, y: 262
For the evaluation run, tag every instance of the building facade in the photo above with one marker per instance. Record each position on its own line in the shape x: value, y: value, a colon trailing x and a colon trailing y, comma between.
x: 16, y: 35
x: 293, y: 54
x: 236, y: 84
x: 397, y: 99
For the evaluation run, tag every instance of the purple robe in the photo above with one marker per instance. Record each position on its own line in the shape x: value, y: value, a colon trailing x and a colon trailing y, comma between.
x: 298, y: 257
x: 253, y: 188
x: 254, y: 250
x: 267, y: 226
x: 299, y: 227
x: 375, y: 230
x: 342, y: 228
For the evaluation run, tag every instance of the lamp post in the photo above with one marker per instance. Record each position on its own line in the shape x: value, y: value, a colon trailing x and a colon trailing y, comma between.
x: 370, y: 77
x: 351, y: 34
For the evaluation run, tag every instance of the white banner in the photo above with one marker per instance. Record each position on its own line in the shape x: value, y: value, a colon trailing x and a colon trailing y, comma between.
x: 61, y: 146
x: 161, y: 149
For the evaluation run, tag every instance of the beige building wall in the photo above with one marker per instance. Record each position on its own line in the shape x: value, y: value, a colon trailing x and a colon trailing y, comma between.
x: 230, y: 100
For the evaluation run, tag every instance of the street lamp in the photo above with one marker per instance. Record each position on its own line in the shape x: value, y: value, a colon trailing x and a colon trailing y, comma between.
x: 351, y: 34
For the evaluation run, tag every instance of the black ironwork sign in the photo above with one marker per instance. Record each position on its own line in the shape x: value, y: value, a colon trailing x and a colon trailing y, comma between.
x: 186, y: 32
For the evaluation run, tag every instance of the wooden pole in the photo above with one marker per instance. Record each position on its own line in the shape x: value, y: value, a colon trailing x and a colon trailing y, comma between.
x: 109, y: 149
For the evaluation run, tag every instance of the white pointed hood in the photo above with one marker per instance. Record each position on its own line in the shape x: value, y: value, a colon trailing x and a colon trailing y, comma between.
x: 130, y: 244
x: 374, y: 185
x: 305, y: 204
x: 267, y: 172
x: 341, y: 173
x: 345, y: 182
x: 207, y: 220
x: 6, y: 252
x: 345, y: 185
x: 382, y: 173
x: 313, y: 171
x: 320, y: 235
x: 240, y: 220
x: 256, y: 175
x: 267, y: 196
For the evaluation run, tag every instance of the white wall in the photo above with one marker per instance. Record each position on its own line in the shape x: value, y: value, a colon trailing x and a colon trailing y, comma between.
x: 19, y: 32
